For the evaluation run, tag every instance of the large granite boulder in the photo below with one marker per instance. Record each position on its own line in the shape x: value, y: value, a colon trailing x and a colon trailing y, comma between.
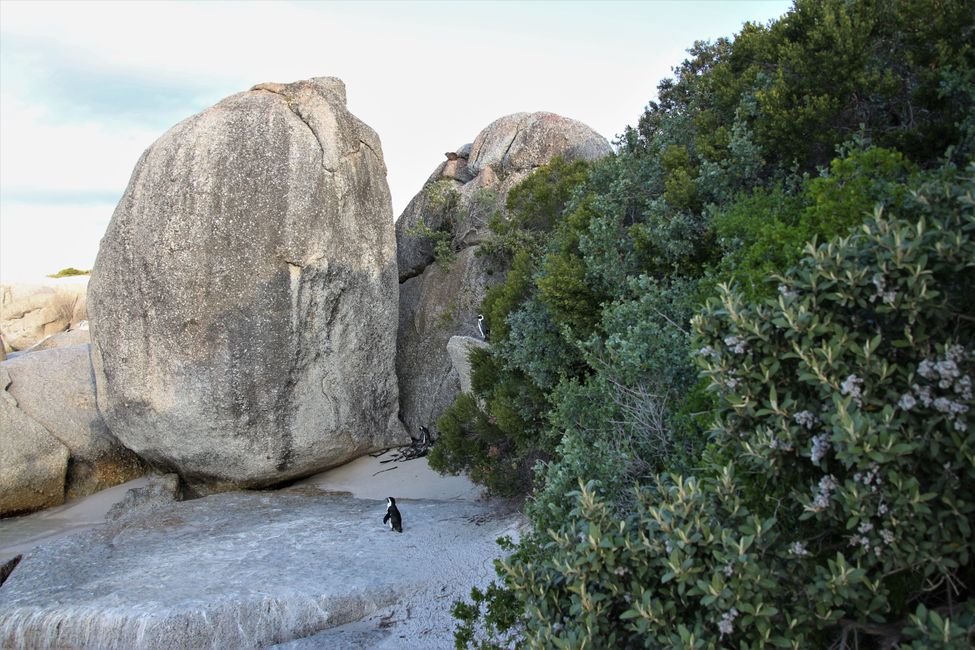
x: 440, y: 297
x: 29, y: 313
x: 33, y: 463
x: 56, y: 388
x: 243, y: 303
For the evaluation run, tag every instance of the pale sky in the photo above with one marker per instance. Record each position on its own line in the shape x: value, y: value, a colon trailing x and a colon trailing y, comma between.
x: 85, y: 87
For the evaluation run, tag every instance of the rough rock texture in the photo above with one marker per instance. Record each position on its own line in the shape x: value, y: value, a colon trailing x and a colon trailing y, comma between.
x: 78, y: 336
x: 459, y: 349
x: 29, y: 313
x: 56, y: 388
x: 243, y: 303
x: 33, y: 463
x: 161, y: 490
x: 247, y: 570
x: 439, y: 300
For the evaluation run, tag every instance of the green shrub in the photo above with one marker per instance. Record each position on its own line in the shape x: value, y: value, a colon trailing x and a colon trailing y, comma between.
x: 68, y: 272
x: 442, y: 203
x: 835, y: 505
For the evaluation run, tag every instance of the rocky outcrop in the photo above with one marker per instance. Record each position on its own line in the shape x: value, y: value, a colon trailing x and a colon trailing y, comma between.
x: 161, y: 490
x: 440, y: 298
x: 56, y: 389
x: 29, y: 313
x: 243, y: 303
x: 459, y: 348
x: 33, y: 463
x: 251, y: 569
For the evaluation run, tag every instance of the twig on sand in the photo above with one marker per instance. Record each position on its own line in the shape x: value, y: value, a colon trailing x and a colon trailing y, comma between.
x: 386, y: 470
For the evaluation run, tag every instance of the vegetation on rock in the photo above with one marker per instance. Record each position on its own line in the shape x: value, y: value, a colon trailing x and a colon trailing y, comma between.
x: 732, y: 363
x: 70, y: 271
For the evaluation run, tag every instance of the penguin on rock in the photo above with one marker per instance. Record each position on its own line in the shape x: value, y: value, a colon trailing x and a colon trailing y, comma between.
x: 393, y: 517
x: 482, y: 327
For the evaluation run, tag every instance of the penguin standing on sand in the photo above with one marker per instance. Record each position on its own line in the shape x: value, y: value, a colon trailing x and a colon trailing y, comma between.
x: 393, y: 517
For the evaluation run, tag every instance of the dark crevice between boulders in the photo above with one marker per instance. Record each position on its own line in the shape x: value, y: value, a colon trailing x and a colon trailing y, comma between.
x: 418, y: 270
x: 8, y: 567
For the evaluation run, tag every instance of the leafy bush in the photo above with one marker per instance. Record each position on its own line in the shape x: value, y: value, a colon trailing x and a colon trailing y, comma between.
x: 836, y: 503
x: 68, y: 272
x: 437, y: 226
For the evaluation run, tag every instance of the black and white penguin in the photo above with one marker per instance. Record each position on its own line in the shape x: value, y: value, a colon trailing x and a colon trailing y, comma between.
x: 393, y: 517
x: 481, y: 326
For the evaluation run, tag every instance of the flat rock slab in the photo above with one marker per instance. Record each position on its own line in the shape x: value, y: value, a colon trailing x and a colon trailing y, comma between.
x: 249, y: 570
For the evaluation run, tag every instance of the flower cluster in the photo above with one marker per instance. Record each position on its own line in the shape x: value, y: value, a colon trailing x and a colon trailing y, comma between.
x: 820, y: 446
x: 887, y: 297
x: 726, y: 624
x: 853, y: 386
x: 827, y: 485
x: 943, y: 375
x: 737, y: 345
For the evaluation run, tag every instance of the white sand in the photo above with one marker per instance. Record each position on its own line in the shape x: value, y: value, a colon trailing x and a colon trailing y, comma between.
x: 21, y: 534
x: 371, y: 478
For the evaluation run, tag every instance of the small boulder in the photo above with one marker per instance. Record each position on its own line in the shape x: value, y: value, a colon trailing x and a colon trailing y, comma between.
x: 33, y: 463
x: 56, y: 388
x: 459, y: 348
x: 33, y: 312
x: 161, y: 490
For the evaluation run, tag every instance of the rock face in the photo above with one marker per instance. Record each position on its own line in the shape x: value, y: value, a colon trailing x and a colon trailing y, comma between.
x: 243, y: 303
x: 33, y: 463
x: 251, y: 569
x: 29, y: 313
x: 56, y: 388
x: 75, y: 336
x: 440, y: 299
x: 459, y: 348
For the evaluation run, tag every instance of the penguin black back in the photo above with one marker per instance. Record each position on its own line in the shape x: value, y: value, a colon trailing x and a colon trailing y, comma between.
x: 393, y: 517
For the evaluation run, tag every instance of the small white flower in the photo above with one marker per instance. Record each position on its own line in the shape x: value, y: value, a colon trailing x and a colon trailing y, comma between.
x: 707, y: 351
x: 805, y: 419
x: 785, y: 292
x: 926, y: 369
x: 731, y: 383
x: 737, y: 345
x: 887, y: 536
x: 865, y: 527
x: 963, y: 387
x: 907, y: 402
x: 853, y: 386
x: 924, y: 394
x: 798, y: 549
x: 955, y: 353
x: 882, y: 508
x: 826, y: 486
x: 725, y: 626
x: 820, y: 447
x: 728, y: 570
